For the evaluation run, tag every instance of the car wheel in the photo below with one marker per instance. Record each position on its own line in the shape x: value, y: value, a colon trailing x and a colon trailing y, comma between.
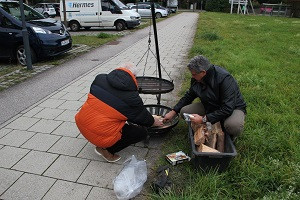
x: 158, y: 15
x: 120, y: 25
x: 87, y: 28
x: 46, y: 15
x: 21, y: 55
x: 74, y: 26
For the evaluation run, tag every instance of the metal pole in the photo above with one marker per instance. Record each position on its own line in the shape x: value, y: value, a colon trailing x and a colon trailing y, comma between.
x: 155, y: 38
x: 25, y: 37
x: 156, y: 46
x: 65, y: 13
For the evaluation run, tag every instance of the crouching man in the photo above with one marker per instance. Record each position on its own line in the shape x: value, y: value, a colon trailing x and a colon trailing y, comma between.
x: 221, y: 99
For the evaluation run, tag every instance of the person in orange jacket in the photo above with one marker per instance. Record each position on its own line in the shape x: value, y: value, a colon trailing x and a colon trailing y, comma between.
x: 113, y: 116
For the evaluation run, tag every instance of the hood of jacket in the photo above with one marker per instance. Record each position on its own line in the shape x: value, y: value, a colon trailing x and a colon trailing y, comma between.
x: 122, y: 79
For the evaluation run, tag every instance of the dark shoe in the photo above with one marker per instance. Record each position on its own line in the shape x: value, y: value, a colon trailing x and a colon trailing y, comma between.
x: 107, y: 155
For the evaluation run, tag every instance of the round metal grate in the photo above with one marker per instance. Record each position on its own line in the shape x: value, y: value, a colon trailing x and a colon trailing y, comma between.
x: 153, y: 85
x: 160, y: 110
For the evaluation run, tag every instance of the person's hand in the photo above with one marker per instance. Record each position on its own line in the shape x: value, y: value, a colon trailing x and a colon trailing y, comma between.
x: 157, y: 122
x: 196, y: 118
x: 170, y: 115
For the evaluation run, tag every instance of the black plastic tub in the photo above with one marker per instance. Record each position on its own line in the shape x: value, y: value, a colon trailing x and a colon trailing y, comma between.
x: 212, y: 161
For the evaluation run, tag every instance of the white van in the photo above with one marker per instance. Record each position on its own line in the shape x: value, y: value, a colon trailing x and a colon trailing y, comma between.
x: 99, y: 13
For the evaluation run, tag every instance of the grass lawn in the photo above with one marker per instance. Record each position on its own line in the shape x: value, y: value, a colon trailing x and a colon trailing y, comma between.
x: 263, y: 54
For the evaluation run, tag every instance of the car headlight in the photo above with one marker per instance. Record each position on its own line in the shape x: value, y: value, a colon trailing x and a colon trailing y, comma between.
x: 40, y: 30
x: 133, y: 17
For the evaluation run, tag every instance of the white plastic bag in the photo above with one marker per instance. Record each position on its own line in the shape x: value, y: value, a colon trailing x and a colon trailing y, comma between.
x: 131, y: 179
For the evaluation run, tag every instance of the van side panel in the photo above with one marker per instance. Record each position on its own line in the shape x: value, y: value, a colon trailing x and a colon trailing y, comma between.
x: 85, y: 12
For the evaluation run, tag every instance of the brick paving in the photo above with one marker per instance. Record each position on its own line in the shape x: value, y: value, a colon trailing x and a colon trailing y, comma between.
x: 42, y: 153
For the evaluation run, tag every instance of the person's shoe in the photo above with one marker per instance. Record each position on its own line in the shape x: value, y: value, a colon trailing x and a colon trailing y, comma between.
x: 107, y: 155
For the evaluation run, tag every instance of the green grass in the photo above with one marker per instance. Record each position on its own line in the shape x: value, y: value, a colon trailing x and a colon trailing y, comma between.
x: 263, y: 54
x: 94, y: 41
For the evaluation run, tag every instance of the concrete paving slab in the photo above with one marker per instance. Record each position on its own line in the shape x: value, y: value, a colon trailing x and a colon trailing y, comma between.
x: 32, y: 112
x: 68, y: 146
x: 71, y: 105
x: 48, y: 113
x: 45, y: 126
x: 11, y: 155
x: 100, y: 174
x: 97, y: 193
x: 51, y: 103
x: 67, y: 116
x: 67, y: 168
x: 16, y: 138
x: 88, y: 152
x: 41, y: 142
x: 73, y: 88
x: 4, y: 131
x: 22, y: 123
x: 35, y: 162
x: 72, y: 96
x: 67, y: 191
x: 139, y: 152
x: 58, y: 95
x: 67, y: 129
x: 28, y: 186
x: 8, y: 177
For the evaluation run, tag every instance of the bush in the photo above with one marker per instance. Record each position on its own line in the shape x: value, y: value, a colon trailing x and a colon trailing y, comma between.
x: 217, y: 5
x: 104, y: 35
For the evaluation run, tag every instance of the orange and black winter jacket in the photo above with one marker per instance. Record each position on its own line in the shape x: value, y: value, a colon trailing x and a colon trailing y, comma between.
x: 113, y: 100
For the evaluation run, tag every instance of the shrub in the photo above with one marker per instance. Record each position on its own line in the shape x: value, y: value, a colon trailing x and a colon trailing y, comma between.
x: 104, y: 35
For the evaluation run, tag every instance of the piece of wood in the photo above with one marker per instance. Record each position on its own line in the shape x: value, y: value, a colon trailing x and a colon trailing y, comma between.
x: 204, y: 148
x: 221, y: 141
x: 195, y: 126
x: 199, y: 136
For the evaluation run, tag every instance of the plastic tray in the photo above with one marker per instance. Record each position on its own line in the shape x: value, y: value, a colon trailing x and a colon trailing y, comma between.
x: 207, y: 160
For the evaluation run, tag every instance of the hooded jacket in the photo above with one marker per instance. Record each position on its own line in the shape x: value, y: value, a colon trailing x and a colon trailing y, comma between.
x: 113, y: 100
x: 219, y: 93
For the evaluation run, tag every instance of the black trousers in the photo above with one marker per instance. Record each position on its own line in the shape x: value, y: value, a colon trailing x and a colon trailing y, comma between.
x: 131, y: 134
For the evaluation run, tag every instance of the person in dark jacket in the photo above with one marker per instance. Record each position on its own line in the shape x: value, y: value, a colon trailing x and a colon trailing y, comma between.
x: 221, y: 99
x: 113, y: 116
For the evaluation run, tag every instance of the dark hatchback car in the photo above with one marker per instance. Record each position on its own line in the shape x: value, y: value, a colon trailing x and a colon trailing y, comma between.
x: 47, y: 37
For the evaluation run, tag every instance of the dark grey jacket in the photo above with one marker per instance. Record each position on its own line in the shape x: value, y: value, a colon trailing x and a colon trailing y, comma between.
x: 219, y: 93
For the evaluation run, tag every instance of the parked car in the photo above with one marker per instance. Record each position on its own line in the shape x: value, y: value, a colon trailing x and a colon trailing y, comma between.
x: 47, y: 36
x: 145, y: 11
x: 157, y: 6
x: 45, y: 9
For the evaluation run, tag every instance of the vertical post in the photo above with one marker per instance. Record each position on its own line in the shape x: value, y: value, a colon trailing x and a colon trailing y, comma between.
x: 156, y: 46
x: 64, y: 13
x: 155, y: 38
x: 25, y: 37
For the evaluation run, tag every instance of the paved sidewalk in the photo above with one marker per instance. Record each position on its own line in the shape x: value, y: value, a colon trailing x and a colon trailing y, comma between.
x: 42, y: 153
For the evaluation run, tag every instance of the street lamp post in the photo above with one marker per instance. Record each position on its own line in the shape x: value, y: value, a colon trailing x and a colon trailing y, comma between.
x: 25, y: 38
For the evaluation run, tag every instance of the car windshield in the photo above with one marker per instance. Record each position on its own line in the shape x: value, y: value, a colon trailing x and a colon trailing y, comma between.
x: 120, y: 5
x: 13, y: 9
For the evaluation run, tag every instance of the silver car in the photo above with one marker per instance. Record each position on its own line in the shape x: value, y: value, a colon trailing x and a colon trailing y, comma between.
x: 45, y: 9
x: 145, y: 11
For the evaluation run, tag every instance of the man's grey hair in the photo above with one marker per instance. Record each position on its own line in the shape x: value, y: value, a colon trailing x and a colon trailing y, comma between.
x: 199, y: 63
